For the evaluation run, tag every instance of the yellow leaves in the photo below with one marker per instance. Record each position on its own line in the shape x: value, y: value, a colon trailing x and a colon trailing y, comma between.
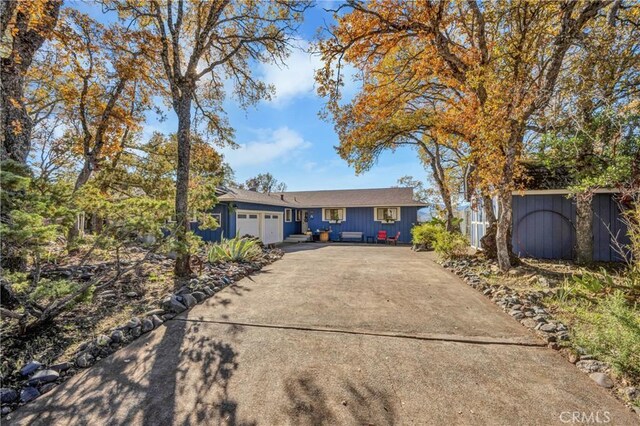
x: 16, y: 127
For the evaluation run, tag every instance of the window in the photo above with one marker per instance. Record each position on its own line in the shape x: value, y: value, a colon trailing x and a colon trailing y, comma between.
x: 387, y: 214
x: 298, y: 215
x: 242, y: 216
x: 253, y: 216
x: 218, y: 218
x: 287, y: 215
x: 334, y: 215
x: 267, y: 216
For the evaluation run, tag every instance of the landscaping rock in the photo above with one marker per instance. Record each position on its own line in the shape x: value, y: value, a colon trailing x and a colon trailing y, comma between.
x: 8, y: 395
x: 167, y: 317
x: 63, y: 366
x: 44, y: 376
x: 131, y: 294
x: 136, y: 332
x: 517, y: 315
x: 208, y: 290
x: 103, y: 340
x: 5, y: 410
x: 602, y: 380
x: 591, y: 365
x: 28, y: 394
x: 199, y: 296
x: 117, y: 336
x: 133, y: 323
x: 529, y: 322
x: 158, y: 311
x: 30, y: 368
x: 47, y: 388
x: 157, y: 322
x: 172, y: 304
x: 147, y: 325
x: 85, y: 360
x: 548, y: 328
x: 631, y: 392
x: 189, y: 300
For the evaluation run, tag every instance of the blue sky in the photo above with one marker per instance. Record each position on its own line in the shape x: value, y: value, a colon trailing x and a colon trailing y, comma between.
x: 286, y: 137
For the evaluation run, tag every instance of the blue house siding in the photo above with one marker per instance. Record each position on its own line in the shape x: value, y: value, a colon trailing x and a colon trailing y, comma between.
x: 607, y: 227
x: 214, y: 235
x: 543, y: 226
x: 361, y: 219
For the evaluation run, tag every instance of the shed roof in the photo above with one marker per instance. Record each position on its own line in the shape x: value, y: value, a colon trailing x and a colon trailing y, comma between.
x: 538, y: 176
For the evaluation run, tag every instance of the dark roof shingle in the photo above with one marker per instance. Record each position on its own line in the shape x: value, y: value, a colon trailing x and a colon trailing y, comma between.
x: 375, y: 197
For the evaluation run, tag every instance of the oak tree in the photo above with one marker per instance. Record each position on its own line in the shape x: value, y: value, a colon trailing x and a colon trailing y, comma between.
x: 24, y: 27
x: 199, y: 45
x: 498, y: 64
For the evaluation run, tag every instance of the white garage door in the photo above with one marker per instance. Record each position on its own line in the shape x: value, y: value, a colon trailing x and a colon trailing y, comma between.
x: 272, y: 228
x: 248, y: 224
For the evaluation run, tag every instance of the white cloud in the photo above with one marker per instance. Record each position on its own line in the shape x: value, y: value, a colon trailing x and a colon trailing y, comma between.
x: 279, y: 145
x: 296, y: 78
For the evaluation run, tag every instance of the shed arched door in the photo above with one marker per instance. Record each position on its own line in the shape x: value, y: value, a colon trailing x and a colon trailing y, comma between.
x: 543, y: 226
x: 544, y: 234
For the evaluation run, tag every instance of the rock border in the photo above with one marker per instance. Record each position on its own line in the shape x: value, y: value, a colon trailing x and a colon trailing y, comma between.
x: 527, y: 308
x: 38, y: 379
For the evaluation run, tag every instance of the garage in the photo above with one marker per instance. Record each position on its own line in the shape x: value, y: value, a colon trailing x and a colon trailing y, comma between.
x: 272, y: 228
x: 262, y: 224
x: 248, y: 224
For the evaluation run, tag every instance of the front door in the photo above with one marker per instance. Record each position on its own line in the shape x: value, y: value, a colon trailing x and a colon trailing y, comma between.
x: 305, y: 221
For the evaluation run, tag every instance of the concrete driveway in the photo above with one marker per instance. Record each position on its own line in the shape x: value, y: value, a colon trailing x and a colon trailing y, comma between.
x: 334, y: 334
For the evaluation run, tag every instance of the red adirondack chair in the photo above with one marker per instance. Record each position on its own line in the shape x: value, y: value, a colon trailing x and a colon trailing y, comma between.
x: 393, y: 240
x: 382, y: 236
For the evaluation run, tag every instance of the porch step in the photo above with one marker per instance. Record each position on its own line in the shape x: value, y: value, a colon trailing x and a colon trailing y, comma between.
x: 297, y: 238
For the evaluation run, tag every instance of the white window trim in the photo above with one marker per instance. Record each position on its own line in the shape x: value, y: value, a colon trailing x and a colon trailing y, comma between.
x: 375, y: 214
x: 290, y: 212
x: 298, y: 215
x: 217, y: 217
x: 326, y: 219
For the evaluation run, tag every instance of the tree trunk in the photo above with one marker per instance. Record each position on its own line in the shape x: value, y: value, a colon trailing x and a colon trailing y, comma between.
x: 488, y: 240
x: 439, y: 175
x: 584, y: 228
x: 503, y: 230
x: 15, y: 123
x: 183, y: 110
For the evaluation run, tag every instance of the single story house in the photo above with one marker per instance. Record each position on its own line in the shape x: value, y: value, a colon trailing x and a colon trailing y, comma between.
x: 291, y: 216
x: 544, y: 217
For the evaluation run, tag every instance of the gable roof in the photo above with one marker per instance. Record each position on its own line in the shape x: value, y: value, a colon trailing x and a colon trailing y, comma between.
x: 375, y: 197
x: 248, y: 196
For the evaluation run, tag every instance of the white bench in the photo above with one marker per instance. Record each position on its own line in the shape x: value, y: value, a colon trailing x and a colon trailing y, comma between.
x: 351, y: 235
